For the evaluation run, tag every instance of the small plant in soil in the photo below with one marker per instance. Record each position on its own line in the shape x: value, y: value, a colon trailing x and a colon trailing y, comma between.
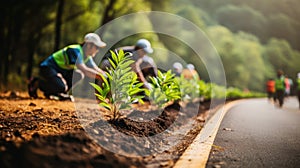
x: 190, y: 89
x: 165, y: 88
x: 204, y: 89
x: 121, y: 86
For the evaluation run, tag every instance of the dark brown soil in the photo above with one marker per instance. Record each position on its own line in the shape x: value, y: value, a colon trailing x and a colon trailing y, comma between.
x: 49, y: 133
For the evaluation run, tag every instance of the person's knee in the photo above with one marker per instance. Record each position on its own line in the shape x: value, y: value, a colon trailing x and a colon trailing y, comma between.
x: 78, y: 75
x: 53, y: 84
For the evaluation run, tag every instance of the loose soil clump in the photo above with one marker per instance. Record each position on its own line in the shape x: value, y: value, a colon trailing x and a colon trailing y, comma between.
x: 49, y: 133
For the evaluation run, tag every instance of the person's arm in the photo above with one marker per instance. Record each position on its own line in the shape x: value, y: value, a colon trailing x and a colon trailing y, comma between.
x: 91, y: 64
x: 99, y: 70
x: 136, y: 68
x: 92, y: 73
x: 153, y: 64
x: 147, y: 59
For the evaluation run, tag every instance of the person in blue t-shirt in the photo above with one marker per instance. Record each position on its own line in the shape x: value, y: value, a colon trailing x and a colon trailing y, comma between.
x: 64, y: 68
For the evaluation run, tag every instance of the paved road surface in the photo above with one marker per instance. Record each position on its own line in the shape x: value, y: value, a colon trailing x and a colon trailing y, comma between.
x: 255, y: 134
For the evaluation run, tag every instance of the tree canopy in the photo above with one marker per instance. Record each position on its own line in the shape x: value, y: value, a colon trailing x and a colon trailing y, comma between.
x: 253, y: 38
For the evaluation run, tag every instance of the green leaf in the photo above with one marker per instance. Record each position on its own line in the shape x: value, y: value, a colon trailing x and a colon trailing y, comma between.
x: 134, y: 91
x: 125, y: 81
x: 121, y: 55
x: 105, y: 80
x: 114, y: 57
x: 126, y: 63
x: 138, y: 85
x: 126, y: 76
x: 112, y: 63
x: 100, y: 97
x: 97, y: 87
x: 106, y: 105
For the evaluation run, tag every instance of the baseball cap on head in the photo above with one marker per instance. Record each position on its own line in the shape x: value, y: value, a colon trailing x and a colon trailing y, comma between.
x: 95, y: 39
x: 190, y: 66
x: 177, y: 66
x: 145, y: 45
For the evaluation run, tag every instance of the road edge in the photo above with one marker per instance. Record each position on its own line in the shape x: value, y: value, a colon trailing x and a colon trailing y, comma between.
x: 196, y: 155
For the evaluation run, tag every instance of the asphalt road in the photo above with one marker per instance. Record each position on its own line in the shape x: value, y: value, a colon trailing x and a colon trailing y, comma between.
x: 255, y: 133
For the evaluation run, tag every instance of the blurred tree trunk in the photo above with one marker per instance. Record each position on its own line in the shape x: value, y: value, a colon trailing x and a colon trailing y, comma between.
x: 6, y: 45
x: 108, y: 15
x: 31, y: 45
x: 58, y: 24
x: 2, y: 38
x: 31, y: 48
x: 158, y: 5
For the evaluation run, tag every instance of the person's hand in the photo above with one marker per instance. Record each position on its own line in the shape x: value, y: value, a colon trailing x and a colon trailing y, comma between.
x: 100, y: 77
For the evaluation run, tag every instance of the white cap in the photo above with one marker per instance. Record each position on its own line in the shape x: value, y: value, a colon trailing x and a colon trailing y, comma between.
x: 145, y: 45
x: 95, y: 39
x: 190, y: 66
x: 177, y: 66
x: 299, y: 75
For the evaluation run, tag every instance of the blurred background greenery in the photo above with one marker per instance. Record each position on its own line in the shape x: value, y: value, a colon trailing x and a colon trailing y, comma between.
x: 253, y: 38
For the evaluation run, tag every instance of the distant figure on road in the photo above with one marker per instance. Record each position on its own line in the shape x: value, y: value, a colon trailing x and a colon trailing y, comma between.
x: 270, y: 88
x: 280, y: 87
x: 288, y: 85
x: 298, y: 88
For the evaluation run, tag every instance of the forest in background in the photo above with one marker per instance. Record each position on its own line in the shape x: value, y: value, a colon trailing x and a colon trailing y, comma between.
x: 253, y: 38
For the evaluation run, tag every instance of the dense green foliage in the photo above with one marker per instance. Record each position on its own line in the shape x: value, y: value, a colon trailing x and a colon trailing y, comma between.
x: 190, y: 89
x: 120, y: 88
x: 165, y: 88
x: 253, y: 38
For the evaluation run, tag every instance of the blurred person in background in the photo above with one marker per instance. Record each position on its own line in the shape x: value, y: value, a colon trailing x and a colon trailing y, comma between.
x: 143, y: 65
x: 270, y: 89
x: 298, y: 88
x: 288, y: 85
x: 280, y: 87
x: 190, y: 73
x: 177, y: 68
x: 66, y: 67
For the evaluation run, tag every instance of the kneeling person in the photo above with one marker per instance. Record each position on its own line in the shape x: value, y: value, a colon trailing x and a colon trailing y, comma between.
x: 64, y: 68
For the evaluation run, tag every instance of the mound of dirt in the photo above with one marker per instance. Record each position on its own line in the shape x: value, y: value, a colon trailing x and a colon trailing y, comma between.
x: 49, y: 133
